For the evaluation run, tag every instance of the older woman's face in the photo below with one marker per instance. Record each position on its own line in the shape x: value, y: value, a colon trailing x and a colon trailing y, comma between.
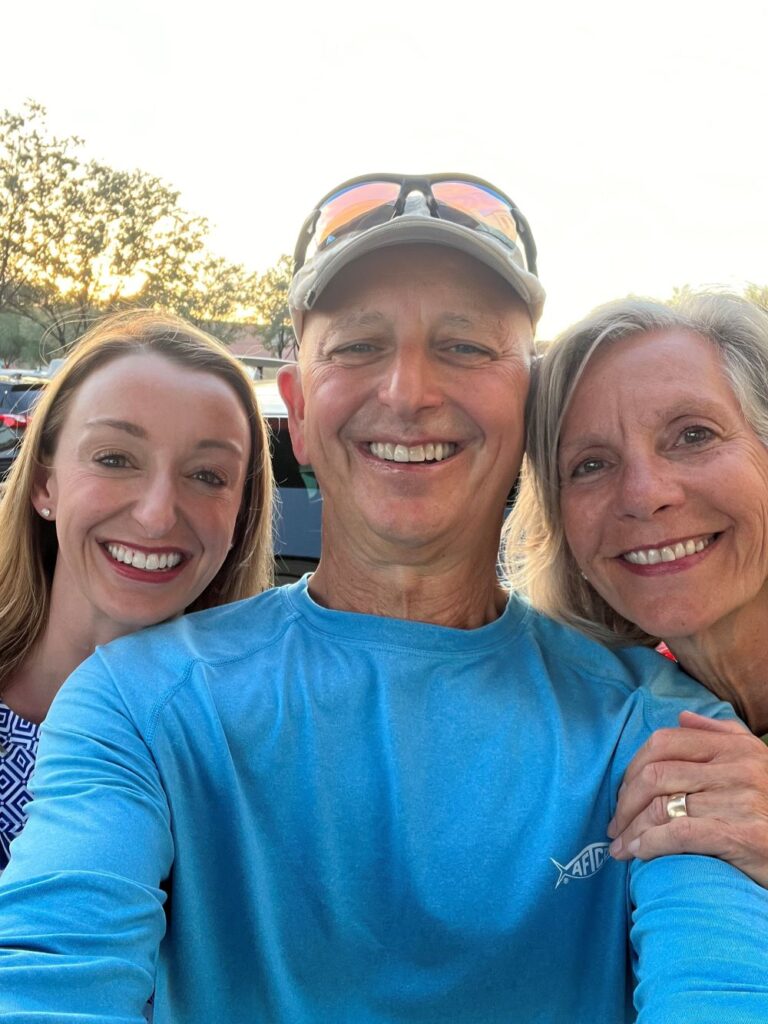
x: 664, y: 486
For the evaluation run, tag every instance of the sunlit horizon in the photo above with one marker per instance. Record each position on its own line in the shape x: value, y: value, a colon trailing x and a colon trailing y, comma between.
x: 631, y: 139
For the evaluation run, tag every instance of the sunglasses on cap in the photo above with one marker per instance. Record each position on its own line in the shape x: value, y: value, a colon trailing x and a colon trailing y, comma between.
x: 365, y: 202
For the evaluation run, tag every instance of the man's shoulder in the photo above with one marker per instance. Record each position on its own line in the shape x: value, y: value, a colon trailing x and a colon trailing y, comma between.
x: 657, y: 680
x: 563, y: 645
x: 215, y: 636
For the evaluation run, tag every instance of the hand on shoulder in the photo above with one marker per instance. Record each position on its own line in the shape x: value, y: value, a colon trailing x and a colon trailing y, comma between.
x: 723, y: 771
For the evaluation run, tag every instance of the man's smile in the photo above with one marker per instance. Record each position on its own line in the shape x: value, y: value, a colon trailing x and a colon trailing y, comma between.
x: 432, y: 451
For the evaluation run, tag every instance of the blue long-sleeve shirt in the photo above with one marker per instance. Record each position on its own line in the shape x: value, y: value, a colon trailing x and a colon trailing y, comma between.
x: 317, y: 816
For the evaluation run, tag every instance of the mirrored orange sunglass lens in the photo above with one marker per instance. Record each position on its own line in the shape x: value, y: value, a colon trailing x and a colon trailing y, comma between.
x: 344, y: 208
x: 479, y: 203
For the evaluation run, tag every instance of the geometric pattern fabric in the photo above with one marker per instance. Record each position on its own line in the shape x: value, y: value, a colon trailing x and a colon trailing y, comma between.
x: 18, y: 750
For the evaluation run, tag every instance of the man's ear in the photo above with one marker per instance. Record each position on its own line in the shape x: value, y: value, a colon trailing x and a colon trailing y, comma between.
x: 44, y: 492
x: 292, y: 393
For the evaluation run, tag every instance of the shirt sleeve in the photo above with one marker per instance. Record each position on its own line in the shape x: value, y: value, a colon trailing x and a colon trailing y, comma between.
x: 81, y: 904
x: 700, y: 938
x: 699, y: 927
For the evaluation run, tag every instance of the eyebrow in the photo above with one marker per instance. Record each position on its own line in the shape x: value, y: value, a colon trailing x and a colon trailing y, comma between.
x: 136, y: 431
x: 458, y: 320
x: 369, y: 319
x: 688, y: 405
x: 130, y: 428
x: 376, y: 319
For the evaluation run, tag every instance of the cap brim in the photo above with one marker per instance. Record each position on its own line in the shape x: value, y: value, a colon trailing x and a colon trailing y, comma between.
x: 312, y: 279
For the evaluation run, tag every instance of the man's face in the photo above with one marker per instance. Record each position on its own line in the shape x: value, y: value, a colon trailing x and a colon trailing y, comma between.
x: 409, y: 399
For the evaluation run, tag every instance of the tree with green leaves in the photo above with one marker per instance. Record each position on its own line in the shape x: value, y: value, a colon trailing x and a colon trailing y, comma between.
x: 35, y: 169
x: 754, y: 292
x: 271, y: 307
x: 78, y: 239
x: 19, y: 342
x: 208, y: 290
x: 758, y: 294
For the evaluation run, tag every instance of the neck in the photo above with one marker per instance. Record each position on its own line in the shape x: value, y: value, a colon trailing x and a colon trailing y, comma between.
x: 67, y: 640
x: 462, y: 593
x: 731, y: 659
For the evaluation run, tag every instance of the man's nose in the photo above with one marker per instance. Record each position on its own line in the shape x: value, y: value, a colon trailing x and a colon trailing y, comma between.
x: 155, y: 510
x: 411, y: 383
x: 648, y: 484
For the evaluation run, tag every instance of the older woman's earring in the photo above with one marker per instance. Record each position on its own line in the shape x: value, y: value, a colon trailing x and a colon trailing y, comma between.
x: 45, y: 513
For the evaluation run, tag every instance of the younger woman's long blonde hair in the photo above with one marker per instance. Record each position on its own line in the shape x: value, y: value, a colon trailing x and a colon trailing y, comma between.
x: 28, y: 544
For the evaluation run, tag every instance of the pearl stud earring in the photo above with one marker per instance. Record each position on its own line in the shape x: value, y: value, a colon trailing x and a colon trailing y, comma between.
x: 45, y: 512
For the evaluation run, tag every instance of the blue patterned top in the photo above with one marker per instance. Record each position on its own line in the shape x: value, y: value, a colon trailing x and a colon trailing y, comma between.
x: 18, y: 750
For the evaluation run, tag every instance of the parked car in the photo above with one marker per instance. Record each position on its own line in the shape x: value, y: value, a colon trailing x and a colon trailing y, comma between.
x: 297, y: 525
x: 18, y: 393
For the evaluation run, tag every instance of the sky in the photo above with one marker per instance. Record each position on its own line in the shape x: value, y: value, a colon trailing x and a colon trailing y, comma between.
x: 632, y: 136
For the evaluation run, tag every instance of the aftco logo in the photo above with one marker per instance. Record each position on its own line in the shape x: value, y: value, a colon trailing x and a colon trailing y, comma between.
x: 583, y: 865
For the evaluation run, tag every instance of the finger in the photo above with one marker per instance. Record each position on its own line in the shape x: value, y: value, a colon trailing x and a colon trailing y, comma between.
x: 729, y: 791
x: 739, y: 782
x: 652, y: 816
x: 696, y: 744
x: 743, y: 847
x: 729, y: 809
x: 661, y: 779
x: 693, y: 720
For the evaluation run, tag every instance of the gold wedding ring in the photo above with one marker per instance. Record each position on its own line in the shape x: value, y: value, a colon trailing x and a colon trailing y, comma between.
x: 676, y: 807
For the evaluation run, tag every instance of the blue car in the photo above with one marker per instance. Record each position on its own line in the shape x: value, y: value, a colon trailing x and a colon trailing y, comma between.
x: 297, y: 525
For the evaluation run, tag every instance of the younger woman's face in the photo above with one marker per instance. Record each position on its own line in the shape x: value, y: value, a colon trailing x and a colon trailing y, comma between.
x: 145, y: 488
x: 664, y: 485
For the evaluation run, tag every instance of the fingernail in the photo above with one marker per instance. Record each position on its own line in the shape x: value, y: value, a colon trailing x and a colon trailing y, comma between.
x: 611, y: 830
x: 615, y: 848
x: 634, y: 846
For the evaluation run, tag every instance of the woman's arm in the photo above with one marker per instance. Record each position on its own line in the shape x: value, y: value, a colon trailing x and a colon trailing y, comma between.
x: 723, y: 770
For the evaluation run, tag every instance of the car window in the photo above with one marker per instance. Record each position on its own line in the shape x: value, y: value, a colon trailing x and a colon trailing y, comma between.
x: 19, y: 397
x: 9, y: 439
x: 299, y: 505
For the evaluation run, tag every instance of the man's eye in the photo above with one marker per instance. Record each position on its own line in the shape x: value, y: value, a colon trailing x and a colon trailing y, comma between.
x: 355, y: 348
x: 467, y: 348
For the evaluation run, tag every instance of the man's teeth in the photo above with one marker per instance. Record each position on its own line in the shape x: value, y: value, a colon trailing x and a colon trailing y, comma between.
x: 141, y: 560
x: 652, y: 556
x: 416, y: 453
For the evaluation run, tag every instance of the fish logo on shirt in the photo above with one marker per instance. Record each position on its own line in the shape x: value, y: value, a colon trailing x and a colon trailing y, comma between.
x: 585, y: 864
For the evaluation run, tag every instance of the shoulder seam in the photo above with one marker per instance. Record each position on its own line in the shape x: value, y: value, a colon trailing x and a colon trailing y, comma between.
x: 162, y: 702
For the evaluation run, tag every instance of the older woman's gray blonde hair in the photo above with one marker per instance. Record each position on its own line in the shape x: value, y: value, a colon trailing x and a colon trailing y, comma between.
x: 536, y: 557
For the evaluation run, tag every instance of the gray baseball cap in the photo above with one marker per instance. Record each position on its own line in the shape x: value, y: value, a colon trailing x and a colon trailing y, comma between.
x: 415, y: 225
